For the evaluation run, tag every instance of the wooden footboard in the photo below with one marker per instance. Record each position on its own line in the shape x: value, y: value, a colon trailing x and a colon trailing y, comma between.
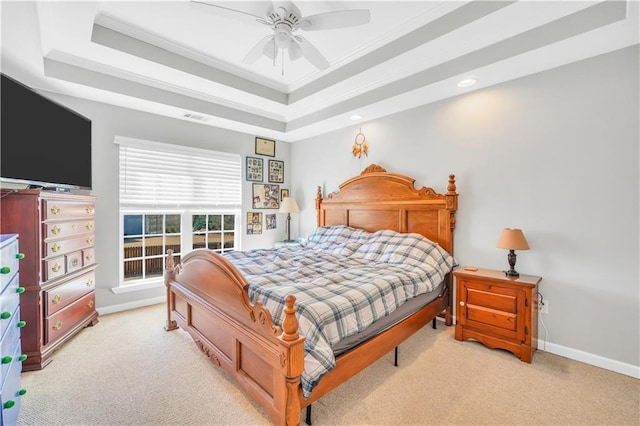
x: 208, y: 298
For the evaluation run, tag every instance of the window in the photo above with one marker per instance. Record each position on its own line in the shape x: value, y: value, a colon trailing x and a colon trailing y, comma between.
x: 173, y: 197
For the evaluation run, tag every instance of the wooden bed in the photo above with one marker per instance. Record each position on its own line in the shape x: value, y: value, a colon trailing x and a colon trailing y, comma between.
x: 208, y: 297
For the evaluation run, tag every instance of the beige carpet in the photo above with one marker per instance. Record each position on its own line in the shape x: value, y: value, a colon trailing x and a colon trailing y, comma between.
x: 128, y: 371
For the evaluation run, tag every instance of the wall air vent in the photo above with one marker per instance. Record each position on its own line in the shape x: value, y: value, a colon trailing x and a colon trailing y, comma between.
x: 193, y: 116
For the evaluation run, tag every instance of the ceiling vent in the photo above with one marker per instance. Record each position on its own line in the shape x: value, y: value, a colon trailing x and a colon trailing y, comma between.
x: 196, y: 117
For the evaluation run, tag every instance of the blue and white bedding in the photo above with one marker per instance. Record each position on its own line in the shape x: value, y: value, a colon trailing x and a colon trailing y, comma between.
x: 343, y: 279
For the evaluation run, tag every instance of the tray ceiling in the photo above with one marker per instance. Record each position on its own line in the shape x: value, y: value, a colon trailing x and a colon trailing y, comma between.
x: 173, y: 59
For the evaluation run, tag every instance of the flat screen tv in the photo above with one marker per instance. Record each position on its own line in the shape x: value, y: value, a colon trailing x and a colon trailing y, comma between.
x: 42, y: 143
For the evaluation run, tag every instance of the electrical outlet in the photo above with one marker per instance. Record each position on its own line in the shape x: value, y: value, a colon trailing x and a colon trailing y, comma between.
x: 544, y: 307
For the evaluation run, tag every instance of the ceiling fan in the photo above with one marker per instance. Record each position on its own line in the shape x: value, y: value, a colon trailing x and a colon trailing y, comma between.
x: 284, y: 18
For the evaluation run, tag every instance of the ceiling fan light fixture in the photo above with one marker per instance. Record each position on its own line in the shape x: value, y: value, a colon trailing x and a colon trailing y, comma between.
x: 355, y: 117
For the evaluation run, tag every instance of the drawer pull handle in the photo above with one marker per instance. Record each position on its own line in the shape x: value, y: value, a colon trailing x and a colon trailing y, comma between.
x: 89, y: 240
x: 89, y: 210
x: 10, y: 403
x: 56, y: 268
x: 55, y: 230
x: 89, y: 256
x: 22, y: 357
x: 22, y: 392
x: 7, y: 359
x: 20, y: 290
x: 55, y: 248
x: 21, y: 324
x: 89, y: 226
x: 89, y: 283
x: 19, y: 256
x: 5, y: 270
x: 90, y: 304
x: 56, y: 299
x: 5, y: 315
x: 461, y: 303
x: 55, y: 209
x: 74, y: 226
x: 57, y: 325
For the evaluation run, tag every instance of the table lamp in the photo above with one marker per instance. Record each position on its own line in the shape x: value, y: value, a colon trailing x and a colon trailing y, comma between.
x: 288, y: 206
x: 512, y: 239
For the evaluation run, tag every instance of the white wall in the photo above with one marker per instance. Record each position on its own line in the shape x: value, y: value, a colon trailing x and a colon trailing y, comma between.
x: 555, y: 154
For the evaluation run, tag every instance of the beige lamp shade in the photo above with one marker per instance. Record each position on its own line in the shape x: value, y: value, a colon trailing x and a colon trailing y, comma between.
x: 289, y: 205
x: 512, y: 239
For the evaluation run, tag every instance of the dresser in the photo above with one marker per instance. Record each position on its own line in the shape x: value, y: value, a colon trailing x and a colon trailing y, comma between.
x: 498, y: 310
x: 57, y: 235
x: 11, y: 356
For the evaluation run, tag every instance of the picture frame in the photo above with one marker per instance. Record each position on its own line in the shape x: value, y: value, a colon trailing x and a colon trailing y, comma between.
x: 266, y: 196
x: 254, y: 223
x: 254, y: 169
x: 283, y: 193
x: 276, y: 171
x: 265, y: 147
x: 270, y: 221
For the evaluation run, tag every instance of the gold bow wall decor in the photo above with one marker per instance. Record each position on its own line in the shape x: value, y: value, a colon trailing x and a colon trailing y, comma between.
x: 360, y: 145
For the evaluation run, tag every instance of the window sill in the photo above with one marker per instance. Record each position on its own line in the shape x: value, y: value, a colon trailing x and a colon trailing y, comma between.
x: 147, y: 285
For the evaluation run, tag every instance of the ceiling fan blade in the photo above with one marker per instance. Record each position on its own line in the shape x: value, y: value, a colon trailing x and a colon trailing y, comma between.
x: 295, y: 52
x: 335, y: 19
x: 312, y: 54
x: 270, y: 50
x: 242, y: 10
x: 257, y: 50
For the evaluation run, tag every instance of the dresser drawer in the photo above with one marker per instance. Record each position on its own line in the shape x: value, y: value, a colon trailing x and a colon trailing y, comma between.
x: 68, y: 229
x: 8, y: 261
x: 88, y: 256
x: 66, y: 319
x: 11, y: 395
x: 63, y: 295
x: 9, y: 301
x: 54, y: 268
x: 10, y: 356
x: 58, y: 247
x: 57, y: 209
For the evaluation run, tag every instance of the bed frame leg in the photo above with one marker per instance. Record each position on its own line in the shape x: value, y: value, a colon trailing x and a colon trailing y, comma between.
x: 307, y: 420
x: 433, y: 324
x: 395, y: 356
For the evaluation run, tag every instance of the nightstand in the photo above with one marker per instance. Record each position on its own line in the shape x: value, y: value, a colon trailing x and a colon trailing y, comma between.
x: 497, y: 310
x: 294, y: 243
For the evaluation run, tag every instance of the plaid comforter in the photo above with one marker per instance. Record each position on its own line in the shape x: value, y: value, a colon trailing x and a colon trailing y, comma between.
x: 343, y: 280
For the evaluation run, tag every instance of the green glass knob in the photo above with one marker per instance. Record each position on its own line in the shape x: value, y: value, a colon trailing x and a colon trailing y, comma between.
x: 22, y: 357
x: 5, y: 270
x: 10, y: 403
x: 21, y: 324
x: 19, y: 256
x: 7, y: 359
x: 20, y: 290
x: 22, y: 392
x: 5, y: 315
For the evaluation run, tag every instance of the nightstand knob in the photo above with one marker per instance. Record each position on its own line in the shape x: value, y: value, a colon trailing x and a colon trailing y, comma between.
x: 462, y: 303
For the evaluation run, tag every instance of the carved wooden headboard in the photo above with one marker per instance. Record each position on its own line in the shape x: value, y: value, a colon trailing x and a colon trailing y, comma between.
x: 377, y: 200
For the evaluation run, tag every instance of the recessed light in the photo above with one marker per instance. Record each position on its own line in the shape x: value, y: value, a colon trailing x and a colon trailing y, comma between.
x: 467, y: 82
x: 355, y: 117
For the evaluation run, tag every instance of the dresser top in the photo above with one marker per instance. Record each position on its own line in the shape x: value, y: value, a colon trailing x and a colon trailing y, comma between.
x: 497, y: 275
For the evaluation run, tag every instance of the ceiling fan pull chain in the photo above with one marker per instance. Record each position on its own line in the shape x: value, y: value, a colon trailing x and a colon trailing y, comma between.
x: 282, y: 56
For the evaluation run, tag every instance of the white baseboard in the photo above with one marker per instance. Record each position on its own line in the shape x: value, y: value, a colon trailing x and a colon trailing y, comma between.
x: 132, y: 305
x: 595, y: 360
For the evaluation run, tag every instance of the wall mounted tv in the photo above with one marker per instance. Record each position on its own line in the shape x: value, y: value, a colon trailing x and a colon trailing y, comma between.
x: 42, y: 143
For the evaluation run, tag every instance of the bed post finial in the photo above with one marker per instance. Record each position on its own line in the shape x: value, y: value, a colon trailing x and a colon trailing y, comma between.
x: 290, y: 323
x: 169, y: 276
x: 318, y: 204
x: 452, y: 184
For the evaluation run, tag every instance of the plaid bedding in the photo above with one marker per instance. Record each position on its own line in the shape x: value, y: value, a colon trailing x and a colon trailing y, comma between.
x: 343, y: 279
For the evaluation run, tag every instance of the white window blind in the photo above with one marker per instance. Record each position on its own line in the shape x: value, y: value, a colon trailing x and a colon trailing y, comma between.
x: 163, y: 175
